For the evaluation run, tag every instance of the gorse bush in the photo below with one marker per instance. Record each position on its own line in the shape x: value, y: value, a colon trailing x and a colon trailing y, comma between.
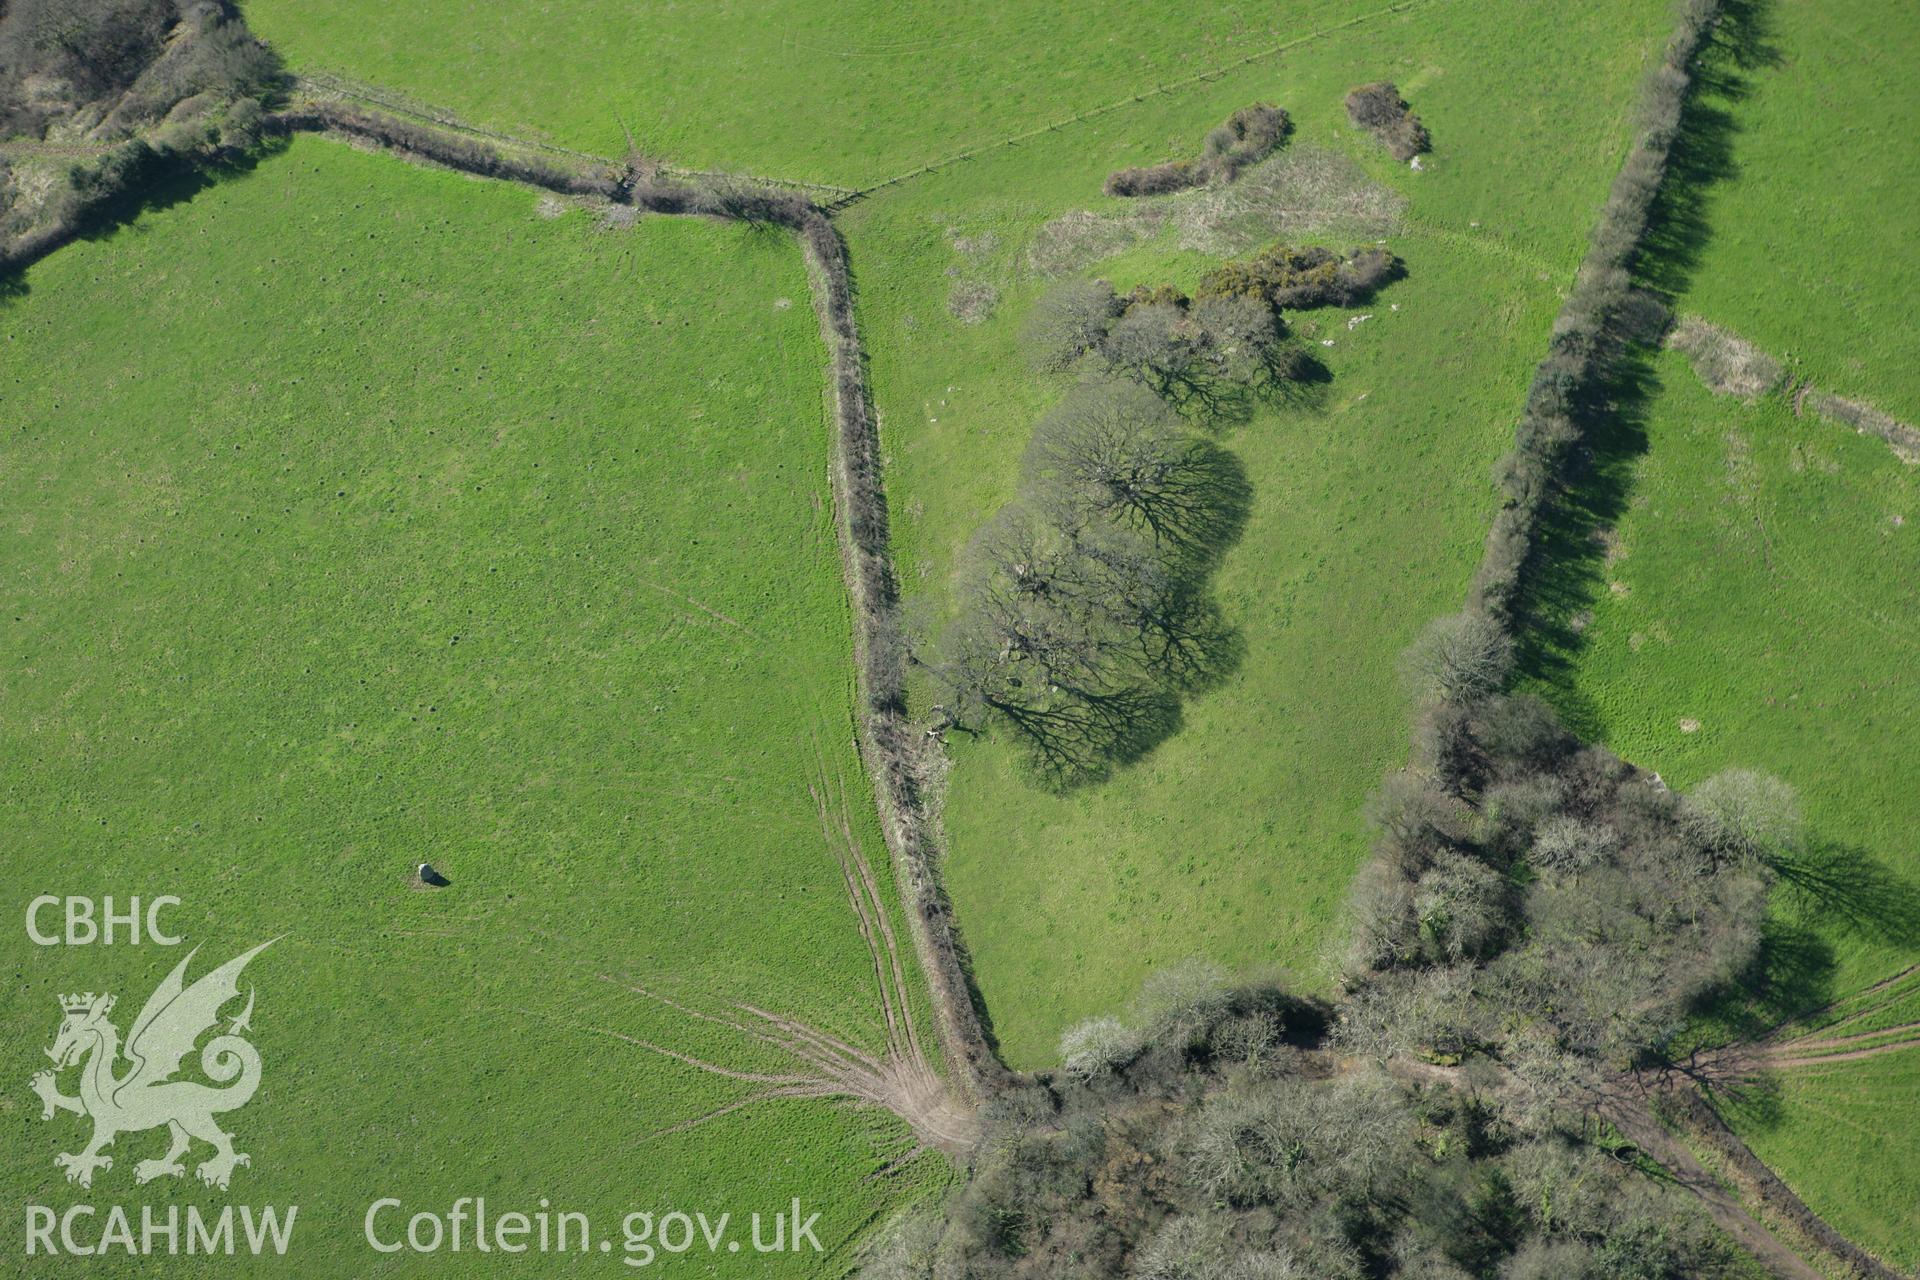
x: 1248, y: 136
x: 1379, y: 109
x: 1156, y: 180
x: 1296, y: 278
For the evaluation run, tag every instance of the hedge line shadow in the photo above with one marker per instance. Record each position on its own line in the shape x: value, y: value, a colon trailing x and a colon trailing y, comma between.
x: 1566, y: 575
x: 156, y: 181
x: 1833, y: 886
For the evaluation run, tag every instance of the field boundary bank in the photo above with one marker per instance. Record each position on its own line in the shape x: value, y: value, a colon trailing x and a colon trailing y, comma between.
x: 1704, y: 1122
x: 895, y: 754
x: 886, y: 739
x: 318, y: 86
x: 1728, y: 364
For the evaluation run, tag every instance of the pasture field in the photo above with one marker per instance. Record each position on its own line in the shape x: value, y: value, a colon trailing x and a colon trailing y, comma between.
x: 1757, y: 602
x: 849, y: 93
x: 360, y: 515
x: 1236, y: 838
x: 1808, y: 246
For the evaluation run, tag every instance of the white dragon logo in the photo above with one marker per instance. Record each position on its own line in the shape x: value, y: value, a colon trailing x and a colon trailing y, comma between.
x: 147, y: 1096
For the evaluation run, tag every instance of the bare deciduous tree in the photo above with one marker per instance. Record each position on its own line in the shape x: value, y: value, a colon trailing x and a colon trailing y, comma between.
x: 1069, y: 320
x: 1460, y: 657
x: 1746, y: 815
x: 1111, y: 450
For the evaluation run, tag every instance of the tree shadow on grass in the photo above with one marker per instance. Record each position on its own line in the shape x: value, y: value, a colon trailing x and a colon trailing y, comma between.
x: 1566, y: 575
x: 1792, y: 972
x: 1186, y: 644
x: 1835, y: 888
x: 1567, y: 572
x: 154, y: 181
x: 1844, y: 888
x: 1702, y: 156
x: 1297, y: 380
x: 1083, y: 629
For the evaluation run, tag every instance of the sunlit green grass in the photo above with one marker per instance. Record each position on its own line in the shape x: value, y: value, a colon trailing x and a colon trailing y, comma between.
x: 1810, y: 249
x: 357, y: 516
x: 1762, y: 609
x: 850, y: 93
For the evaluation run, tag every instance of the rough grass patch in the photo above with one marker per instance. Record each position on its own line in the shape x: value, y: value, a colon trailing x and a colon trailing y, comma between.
x: 1302, y: 191
x: 1728, y: 364
x: 971, y: 301
x: 1082, y: 238
x: 1864, y: 418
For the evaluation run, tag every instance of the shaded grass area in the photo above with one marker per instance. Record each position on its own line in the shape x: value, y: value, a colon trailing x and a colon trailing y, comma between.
x: 358, y: 516
x: 1236, y: 837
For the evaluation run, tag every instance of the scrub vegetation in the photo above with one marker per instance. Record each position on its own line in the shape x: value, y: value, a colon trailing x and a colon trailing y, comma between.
x: 116, y: 101
x: 1366, y: 496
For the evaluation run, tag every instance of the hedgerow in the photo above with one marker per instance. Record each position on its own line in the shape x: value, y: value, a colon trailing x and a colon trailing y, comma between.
x: 1589, y: 331
x: 1247, y: 137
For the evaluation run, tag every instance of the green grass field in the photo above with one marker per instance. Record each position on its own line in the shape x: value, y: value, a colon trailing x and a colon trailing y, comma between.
x: 1768, y: 567
x: 1809, y: 238
x: 850, y: 93
x: 359, y: 515
x: 1767, y: 615
x: 1237, y: 837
